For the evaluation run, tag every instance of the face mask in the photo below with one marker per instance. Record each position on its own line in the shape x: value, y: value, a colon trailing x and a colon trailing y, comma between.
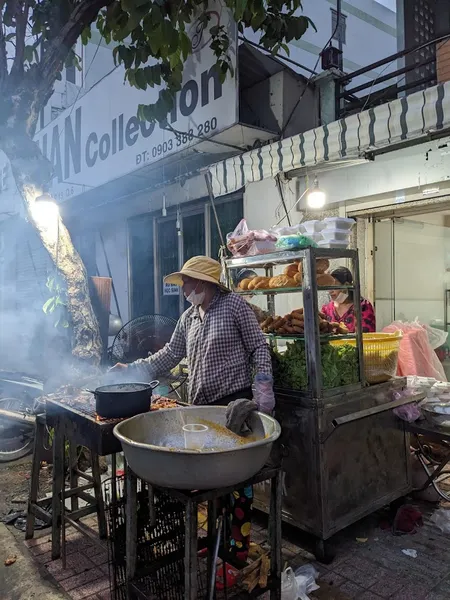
x: 341, y: 298
x: 195, y: 298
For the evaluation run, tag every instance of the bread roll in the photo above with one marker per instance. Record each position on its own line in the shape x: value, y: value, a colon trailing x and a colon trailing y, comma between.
x: 323, y: 279
x: 298, y: 278
x: 262, y: 284
x: 322, y: 265
x: 291, y: 270
x: 282, y: 281
x: 243, y: 285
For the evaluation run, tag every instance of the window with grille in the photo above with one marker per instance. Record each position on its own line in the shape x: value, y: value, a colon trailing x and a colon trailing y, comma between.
x: 420, y: 28
x: 339, y: 32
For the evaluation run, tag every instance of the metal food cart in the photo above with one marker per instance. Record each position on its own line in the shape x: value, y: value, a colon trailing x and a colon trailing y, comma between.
x: 344, y: 453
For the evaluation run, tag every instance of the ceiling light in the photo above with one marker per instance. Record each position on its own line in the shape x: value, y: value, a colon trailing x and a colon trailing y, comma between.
x: 316, y: 197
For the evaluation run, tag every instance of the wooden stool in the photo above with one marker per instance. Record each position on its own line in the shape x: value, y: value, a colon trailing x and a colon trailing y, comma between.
x: 64, y: 432
x: 76, y: 492
x: 34, y: 505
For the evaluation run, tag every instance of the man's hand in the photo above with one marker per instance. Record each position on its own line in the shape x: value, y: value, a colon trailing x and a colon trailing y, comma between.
x: 118, y: 367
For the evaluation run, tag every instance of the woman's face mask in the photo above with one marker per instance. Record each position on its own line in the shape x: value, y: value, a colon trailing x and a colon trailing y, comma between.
x: 341, y: 298
x: 196, y: 298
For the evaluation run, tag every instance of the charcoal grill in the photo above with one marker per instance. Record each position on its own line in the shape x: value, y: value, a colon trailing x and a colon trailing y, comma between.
x: 88, y: 429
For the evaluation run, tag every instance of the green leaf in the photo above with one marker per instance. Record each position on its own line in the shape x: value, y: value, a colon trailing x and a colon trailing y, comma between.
x: 239, y: 9
x: 49, y: 306
x: 86, y: 35
x: 141, y: 79
x: 286, y: 49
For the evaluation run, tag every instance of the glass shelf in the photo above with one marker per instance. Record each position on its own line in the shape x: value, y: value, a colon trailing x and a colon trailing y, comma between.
x: 292, y: 290
x: 285, y: 257
x: 323, y: 337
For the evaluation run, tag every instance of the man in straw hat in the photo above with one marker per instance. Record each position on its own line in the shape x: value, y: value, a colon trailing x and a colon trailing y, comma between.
x: 224, y: 347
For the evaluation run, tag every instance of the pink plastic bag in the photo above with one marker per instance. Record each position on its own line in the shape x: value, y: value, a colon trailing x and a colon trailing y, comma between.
x: 416, y: 356
x: 244, y: 242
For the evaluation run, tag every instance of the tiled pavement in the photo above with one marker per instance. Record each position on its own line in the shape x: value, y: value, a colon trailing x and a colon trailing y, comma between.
x: 369, y: 569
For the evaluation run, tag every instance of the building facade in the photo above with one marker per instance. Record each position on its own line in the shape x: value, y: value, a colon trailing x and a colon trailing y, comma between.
x: 134, y: 196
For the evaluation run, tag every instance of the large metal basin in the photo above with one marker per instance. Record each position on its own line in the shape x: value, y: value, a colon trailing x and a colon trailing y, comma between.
x: 154, y: 446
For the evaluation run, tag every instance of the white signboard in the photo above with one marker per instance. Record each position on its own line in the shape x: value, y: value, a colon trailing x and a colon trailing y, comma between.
x: 100, y: 138
x: 169, y: 289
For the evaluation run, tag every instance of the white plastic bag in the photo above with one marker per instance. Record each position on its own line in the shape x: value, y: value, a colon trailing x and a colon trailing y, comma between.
x: 289, y: 587
x: 436, y: 337
x: 245, y: 242
x: 441, y: 518
x: 306, y: 576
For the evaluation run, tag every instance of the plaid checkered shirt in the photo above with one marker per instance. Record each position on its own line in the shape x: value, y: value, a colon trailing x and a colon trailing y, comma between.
x: 223, y: 351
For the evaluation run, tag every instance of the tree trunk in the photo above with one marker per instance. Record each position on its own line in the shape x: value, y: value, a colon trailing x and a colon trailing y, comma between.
x: 32, y: 172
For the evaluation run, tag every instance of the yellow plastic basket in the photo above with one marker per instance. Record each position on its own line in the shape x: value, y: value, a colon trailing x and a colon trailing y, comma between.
x: 380, y: 355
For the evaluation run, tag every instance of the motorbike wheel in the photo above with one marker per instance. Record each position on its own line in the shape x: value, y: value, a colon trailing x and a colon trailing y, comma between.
x: 16, y: 441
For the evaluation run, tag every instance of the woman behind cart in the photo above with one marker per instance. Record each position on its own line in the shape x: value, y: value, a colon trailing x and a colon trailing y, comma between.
x: 341, y: 309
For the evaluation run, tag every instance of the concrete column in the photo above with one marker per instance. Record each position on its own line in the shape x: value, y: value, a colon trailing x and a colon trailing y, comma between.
x: 327, y: 85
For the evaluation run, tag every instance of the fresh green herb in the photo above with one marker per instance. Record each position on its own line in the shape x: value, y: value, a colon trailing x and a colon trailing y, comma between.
x: 339, y: 366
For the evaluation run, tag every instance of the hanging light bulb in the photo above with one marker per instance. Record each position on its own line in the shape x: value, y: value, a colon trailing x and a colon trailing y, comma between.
x: 316, y: 197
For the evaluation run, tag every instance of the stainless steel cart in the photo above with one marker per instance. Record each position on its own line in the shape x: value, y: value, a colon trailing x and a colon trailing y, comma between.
x: 344, y: 452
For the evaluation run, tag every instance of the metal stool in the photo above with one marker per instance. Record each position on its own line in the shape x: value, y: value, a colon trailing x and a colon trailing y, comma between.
x: 191, y: 501
x: 76, y: 492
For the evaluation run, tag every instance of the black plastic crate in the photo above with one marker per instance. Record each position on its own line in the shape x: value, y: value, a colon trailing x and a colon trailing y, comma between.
x: 160, y: 547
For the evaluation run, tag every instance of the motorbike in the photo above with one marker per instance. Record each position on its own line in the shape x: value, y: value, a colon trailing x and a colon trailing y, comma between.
x: 18, y: 394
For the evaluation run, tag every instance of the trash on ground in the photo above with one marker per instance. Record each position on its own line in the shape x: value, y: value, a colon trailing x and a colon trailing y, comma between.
x: 410, y: 552
x: 407, y: 520
x: 306, y: 576
x: 295, y: 586
x: 362, y: 540
x: 256, y: 573
x: 441, y: 518
x: 10, y: 560
x: 289, y: 588
x: 19, y: 519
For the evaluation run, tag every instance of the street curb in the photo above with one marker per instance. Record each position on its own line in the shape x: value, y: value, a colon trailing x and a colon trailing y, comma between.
x: 22, y: 580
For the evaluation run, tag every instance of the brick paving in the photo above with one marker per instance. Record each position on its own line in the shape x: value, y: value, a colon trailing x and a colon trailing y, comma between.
x: 362, y: 570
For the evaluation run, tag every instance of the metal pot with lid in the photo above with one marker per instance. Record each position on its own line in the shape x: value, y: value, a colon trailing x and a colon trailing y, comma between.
x: 123, y: 400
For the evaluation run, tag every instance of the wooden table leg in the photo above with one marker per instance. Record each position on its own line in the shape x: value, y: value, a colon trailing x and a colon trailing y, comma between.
x: 275, y: 535
x: 131, y: 523
x: 100, y: 505
x: 73, y: 477
x: 58, y: 482
x: 39, y: 437
x: 190, y: 552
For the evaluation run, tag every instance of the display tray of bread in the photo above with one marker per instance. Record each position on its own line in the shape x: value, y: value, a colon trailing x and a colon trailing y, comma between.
x: 292, y: 277
x: 293, y: 324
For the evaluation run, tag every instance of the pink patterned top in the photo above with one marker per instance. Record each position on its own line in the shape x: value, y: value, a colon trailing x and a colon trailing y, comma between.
x: 348, y: 318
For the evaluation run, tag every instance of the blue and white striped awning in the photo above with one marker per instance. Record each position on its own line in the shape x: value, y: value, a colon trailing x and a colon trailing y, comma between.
x: 398, y: 121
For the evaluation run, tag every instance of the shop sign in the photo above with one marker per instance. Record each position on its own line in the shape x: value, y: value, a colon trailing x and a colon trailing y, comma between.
x: 169, y: 289
x: 100, y: 138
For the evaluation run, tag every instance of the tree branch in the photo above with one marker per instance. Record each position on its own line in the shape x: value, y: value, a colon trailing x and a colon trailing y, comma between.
x: 83, y: 15
x: 18, y: 66
x: 3, y: 54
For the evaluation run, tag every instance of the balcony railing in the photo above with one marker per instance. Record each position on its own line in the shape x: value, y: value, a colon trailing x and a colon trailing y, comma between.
x: 416, y: 70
